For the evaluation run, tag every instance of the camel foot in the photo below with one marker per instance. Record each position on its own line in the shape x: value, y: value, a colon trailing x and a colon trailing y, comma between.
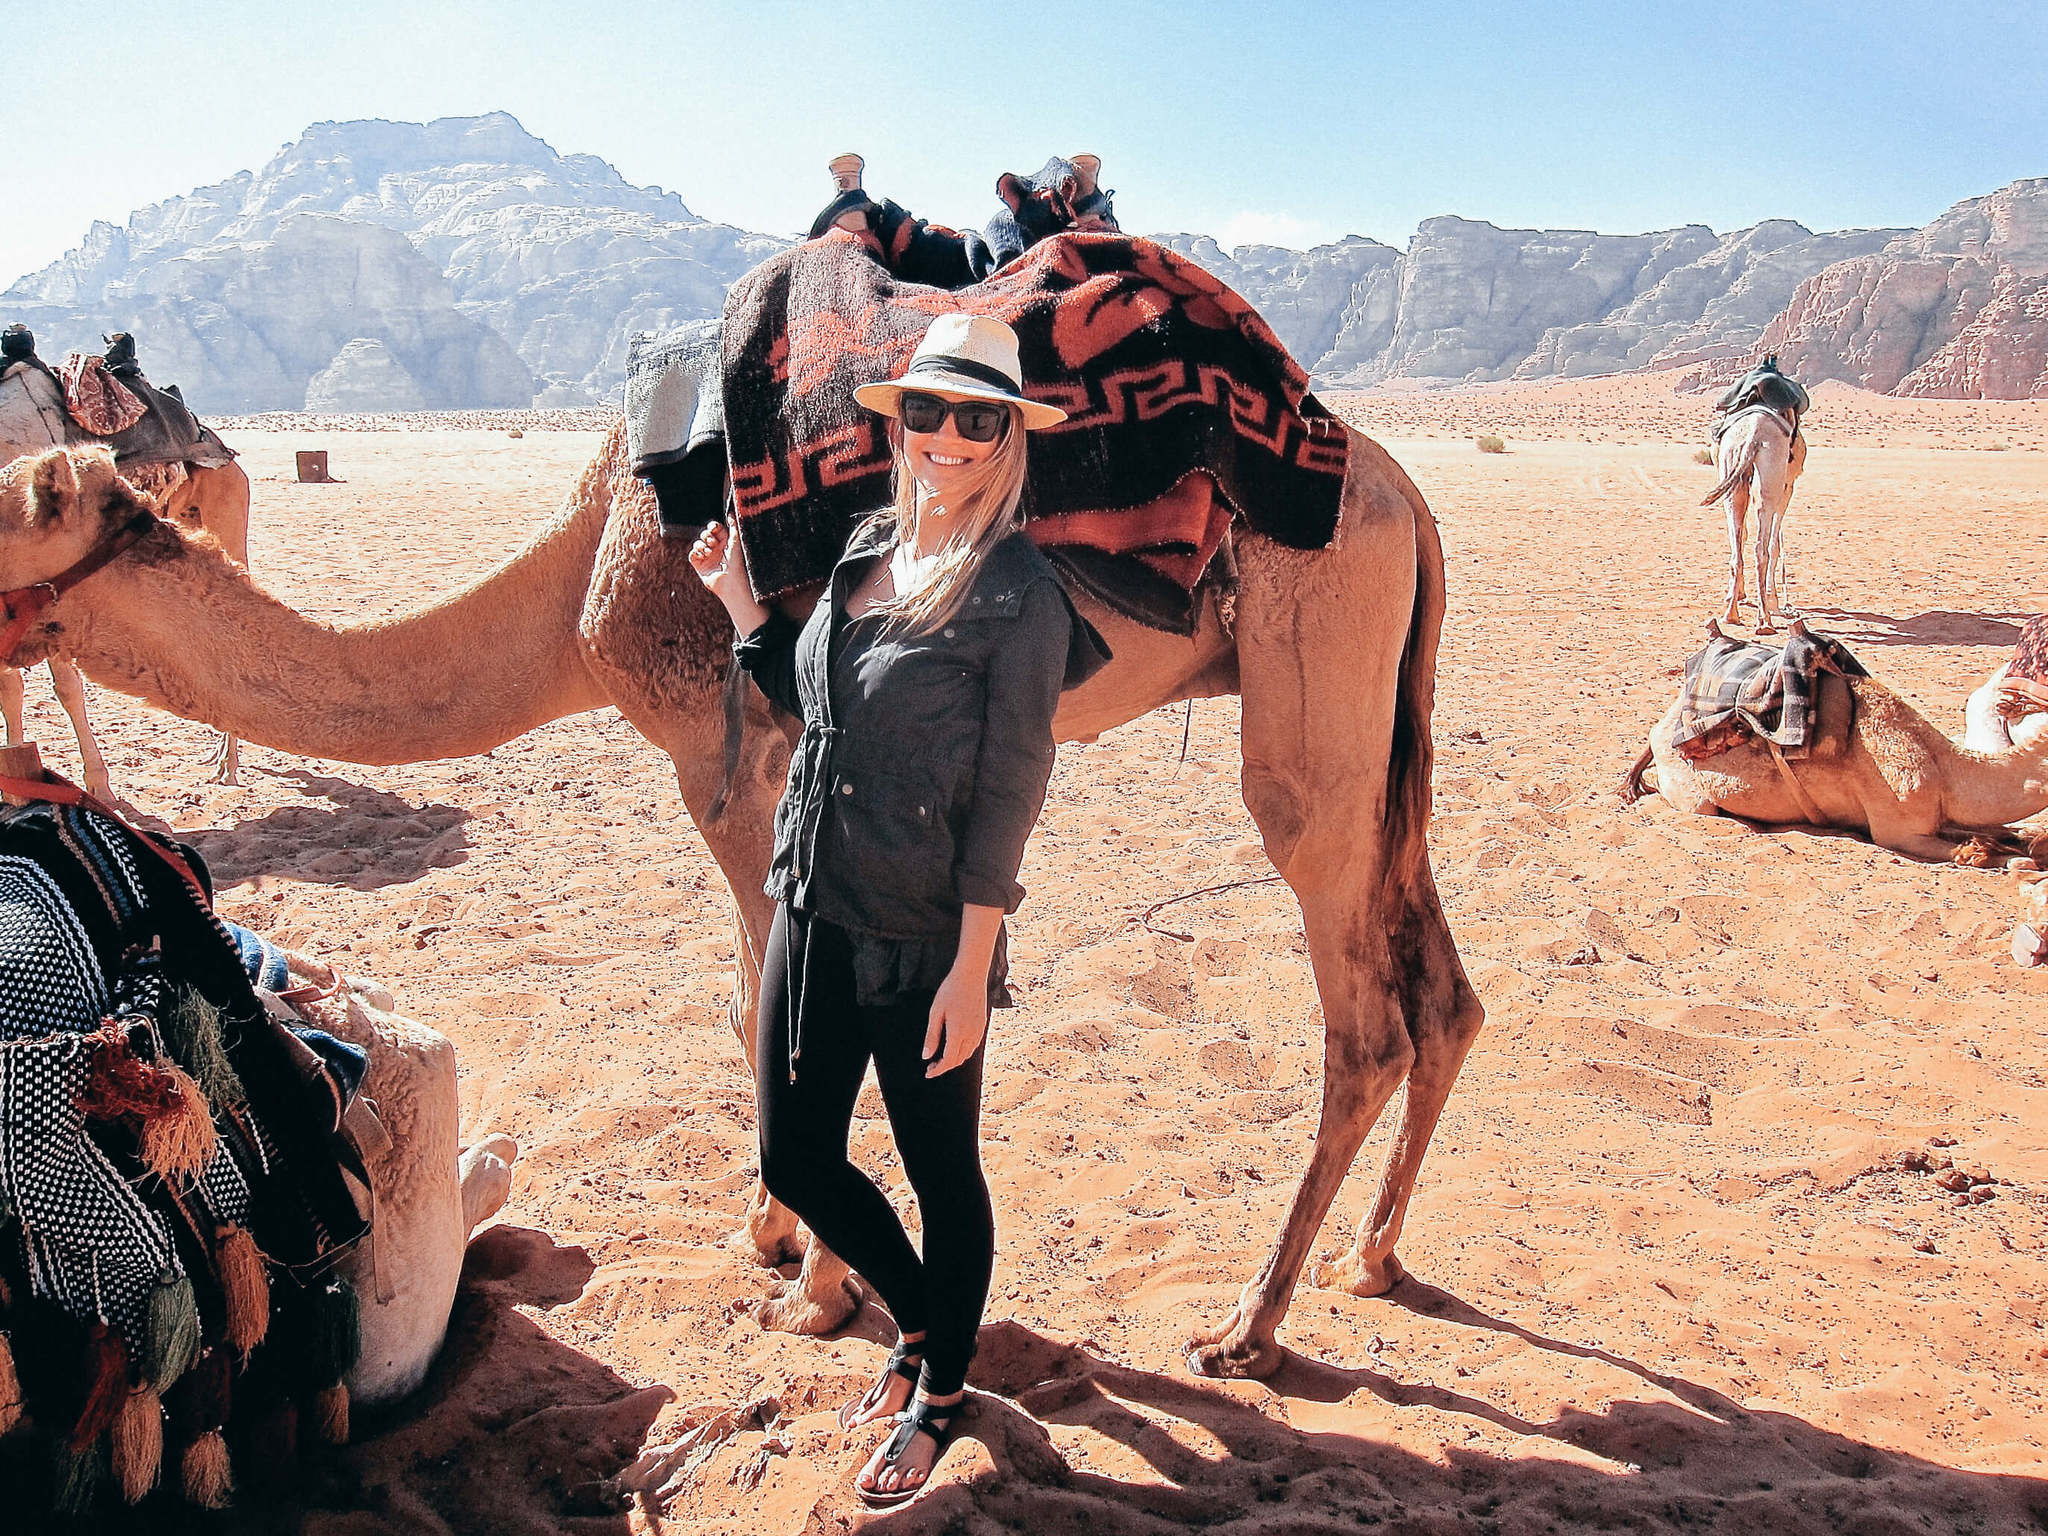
x: 789, y: 1309
x: 485, y: 1172
x: 100, y: 787
x: 1231, y: 1352
x: 769, y: 1248
x: 1359, y: 1275
x: 770, y: 1234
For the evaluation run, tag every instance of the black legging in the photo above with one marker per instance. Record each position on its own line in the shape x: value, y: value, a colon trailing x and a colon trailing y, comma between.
x: 937, y: 1122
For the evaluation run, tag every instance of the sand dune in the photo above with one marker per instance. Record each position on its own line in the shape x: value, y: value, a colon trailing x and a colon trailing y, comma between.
x: 1681, y: 1258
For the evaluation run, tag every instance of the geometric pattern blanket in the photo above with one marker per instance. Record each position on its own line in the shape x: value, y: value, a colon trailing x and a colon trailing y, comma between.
x: 152, y: 1113
x: 1735, y: 690
x: 99, y: 402
x: 1183, y: 408
x: 2025, y: 689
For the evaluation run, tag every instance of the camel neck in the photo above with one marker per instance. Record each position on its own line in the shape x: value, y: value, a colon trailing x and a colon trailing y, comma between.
x: 179, y: 626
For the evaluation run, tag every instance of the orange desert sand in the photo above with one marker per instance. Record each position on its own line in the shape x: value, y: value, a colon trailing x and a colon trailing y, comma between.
x: 1681, y: 1257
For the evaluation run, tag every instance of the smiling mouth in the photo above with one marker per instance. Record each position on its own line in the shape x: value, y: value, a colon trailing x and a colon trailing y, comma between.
x: 945, y: 459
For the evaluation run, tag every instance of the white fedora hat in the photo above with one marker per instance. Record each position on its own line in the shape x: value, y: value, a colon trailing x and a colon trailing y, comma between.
x: 964, y: 357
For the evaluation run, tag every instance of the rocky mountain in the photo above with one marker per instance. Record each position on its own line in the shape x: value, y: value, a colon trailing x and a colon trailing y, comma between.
x: 1468, y: 303
x: 464, y: 262
x: 1957, y: 310
x: 487, y: 268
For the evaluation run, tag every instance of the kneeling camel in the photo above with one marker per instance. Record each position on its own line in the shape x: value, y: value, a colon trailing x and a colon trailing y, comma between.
x: 1898, y: 779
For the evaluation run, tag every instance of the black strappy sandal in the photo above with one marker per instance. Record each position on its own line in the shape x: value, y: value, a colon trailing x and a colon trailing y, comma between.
x: 905, y: 1360
x: 921, y: 1418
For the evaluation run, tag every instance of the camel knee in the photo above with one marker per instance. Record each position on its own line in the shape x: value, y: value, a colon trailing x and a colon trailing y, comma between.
x: 1360, y: 1073
x: 485, y: 1171
x: 1278, y: 808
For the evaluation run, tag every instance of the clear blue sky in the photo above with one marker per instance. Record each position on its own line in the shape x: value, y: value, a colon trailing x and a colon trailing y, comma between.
x: 1245, y: 118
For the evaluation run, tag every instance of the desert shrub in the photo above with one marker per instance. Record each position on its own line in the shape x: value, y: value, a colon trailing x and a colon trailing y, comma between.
x: 1488, y: 443
x: 1996, y: 447
x: 1703, y: 455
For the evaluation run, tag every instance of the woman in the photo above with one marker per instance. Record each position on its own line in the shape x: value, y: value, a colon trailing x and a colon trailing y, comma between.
x: 926, y: 679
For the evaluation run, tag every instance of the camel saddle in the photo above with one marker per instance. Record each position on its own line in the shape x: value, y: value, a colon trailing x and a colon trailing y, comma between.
x: 1741, y: 690
x: 33, y: 417
x: 1763, y: 386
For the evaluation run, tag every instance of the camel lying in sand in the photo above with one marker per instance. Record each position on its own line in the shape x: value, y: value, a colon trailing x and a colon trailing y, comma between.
x: 431, y: 1193
x: 1333, y: 652
x: 1898, y: 779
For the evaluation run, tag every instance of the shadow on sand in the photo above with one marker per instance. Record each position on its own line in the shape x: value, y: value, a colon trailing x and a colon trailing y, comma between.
x: 1938, y: 627
x: 1701, y: 1462
x: 362, y: 838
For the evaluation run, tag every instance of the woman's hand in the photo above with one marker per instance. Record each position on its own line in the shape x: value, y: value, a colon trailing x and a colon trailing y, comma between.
x: 960, y: 1008
x: 959, y: 1020
x: 720, y: 561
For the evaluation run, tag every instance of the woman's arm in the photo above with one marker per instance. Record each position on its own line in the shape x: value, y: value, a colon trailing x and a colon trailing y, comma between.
x: 720, y: 561
x: 767, y: 643
x: 1010, y: 775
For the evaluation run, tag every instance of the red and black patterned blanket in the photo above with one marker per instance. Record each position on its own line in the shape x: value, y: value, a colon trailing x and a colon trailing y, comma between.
x: 1182, y: 406
x: 2025, y: 689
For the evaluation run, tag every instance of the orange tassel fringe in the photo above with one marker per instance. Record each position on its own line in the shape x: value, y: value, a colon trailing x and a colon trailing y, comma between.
x: 180, y: 1142
x: 161, y: 1100
x: 138, y: 1444
x: 330, y: 1415
x: 246, y: 1286
x: 10, y: 1389
x: 208, y: 1474
x: 109, y: 1390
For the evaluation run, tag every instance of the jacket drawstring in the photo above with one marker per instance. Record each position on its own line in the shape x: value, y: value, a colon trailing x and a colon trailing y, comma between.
x: 796, y: 980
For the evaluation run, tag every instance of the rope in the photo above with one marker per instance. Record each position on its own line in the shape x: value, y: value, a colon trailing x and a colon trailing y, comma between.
x: 1188, y: 938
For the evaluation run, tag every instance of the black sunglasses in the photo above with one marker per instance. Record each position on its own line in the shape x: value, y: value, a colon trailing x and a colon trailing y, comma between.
x: 979, y: 421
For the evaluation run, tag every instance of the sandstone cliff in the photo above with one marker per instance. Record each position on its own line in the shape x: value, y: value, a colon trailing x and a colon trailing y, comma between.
x: 1469, y: 302
x: 464, y: 262
x: 1957, y: 310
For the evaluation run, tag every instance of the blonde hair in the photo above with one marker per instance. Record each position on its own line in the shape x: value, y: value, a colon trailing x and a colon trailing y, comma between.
x: 979, y: 516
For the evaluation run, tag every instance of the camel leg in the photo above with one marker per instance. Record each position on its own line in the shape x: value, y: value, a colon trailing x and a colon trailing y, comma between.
x: 1737, y: 506
x: 1366, y: 1053
x: 1774, y: 495
x: 226, y: 761
x: 1738, y: 515
x: 11, y: 698
x: 645, y: 589
x: 1443, y: 1019
x: 1770, y: 511
x: 1320, y: 646
x: 427, y: 1193
x: 70, y: 688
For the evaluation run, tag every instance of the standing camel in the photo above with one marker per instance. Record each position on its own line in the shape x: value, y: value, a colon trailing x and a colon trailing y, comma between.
x: 1333, y: 652
x: 209, y: 497
x: 1760, y: 449
x: 213, y: 500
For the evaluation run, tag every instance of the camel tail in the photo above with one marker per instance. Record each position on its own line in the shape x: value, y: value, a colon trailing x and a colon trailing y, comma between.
x: 1745, y: 461
x: 1411, y: 757
x: 1635, y: 783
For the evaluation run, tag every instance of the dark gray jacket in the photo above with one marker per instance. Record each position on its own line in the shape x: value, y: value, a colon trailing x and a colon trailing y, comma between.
x: 924, y: 758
